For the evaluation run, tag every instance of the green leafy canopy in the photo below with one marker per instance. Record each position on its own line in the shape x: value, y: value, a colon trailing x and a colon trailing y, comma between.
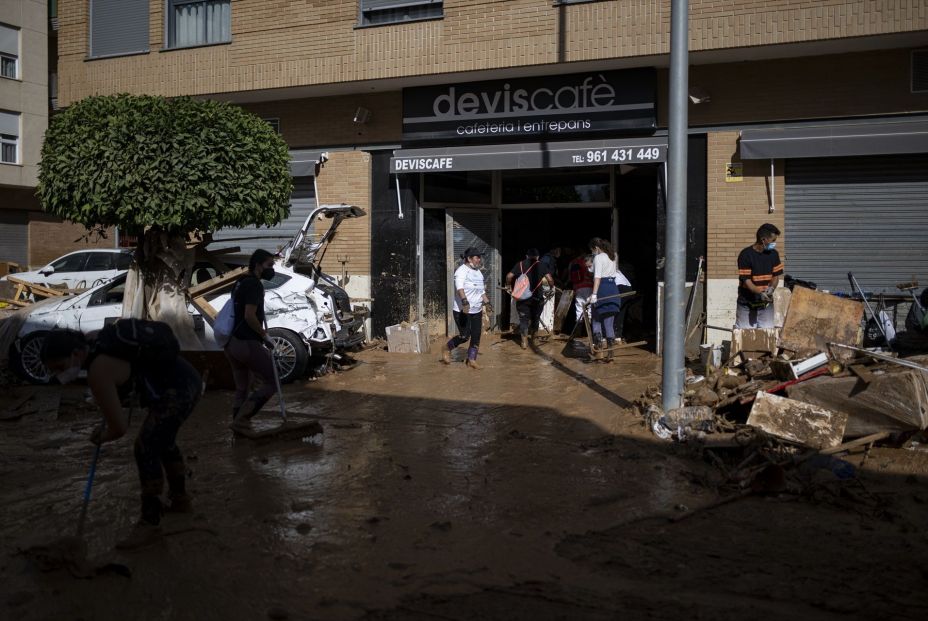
x: 175, y: 164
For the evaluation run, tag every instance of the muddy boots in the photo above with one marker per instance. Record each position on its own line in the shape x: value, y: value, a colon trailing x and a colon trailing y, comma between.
x: 610, y: 343
x: 472, y: 358
x: 524, y: 341
x: 598, y: 345
x: 244, y: 413
x: 177, y: 487
x: 147, y: 530
x: 446, y: 354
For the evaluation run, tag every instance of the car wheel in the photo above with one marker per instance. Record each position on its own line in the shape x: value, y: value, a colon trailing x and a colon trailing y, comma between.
x: 26, y: 359
x: 290, y: 354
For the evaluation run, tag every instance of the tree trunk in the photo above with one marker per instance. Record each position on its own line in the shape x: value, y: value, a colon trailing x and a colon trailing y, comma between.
x: 157, y: 283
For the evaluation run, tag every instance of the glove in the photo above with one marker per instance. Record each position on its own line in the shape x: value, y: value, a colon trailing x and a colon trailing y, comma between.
x: 766, y: 296
x: 593, y: 299
x: 465, y: 308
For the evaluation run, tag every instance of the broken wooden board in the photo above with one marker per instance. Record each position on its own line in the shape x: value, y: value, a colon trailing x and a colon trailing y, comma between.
x: 781, y: 299
x: 896, y: 401
x: 815, y: 319
x: 564, y: 306
x: 794, y: 421
x: 753, y: 343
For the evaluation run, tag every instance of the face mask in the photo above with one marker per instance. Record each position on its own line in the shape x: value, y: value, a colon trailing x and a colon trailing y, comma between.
x: 267, y: 273
x: 770, y: 246
x: 68, y: 375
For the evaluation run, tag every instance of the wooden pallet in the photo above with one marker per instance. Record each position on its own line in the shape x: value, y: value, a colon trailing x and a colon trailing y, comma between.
x: 213, y: 286
x: 25, y: 293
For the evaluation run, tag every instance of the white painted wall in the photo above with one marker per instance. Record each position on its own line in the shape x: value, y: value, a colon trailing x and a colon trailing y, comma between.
x: 358, y: 288
x: 721, y: 296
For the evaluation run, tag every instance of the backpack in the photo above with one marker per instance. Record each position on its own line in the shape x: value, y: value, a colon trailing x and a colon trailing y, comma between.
x: 521, y: 289
x: 148, y: 344
x: 224, y: 324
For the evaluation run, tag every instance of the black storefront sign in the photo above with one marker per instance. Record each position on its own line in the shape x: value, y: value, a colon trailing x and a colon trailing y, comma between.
x: 544, y: 108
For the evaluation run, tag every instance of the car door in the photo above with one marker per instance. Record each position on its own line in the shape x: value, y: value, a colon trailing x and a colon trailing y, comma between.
x: 68, y: 270
x: 104, y: 306
x: 98, y: 270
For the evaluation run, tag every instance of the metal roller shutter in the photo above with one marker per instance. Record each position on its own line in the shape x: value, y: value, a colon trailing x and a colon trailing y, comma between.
x: 14, y: 237
x: 249, y: 239
x: 866, y: 215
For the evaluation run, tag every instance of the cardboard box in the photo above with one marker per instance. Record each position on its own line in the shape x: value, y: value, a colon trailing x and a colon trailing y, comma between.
x: 408, y: 338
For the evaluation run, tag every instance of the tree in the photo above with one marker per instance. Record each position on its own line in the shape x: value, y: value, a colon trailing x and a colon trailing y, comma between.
x: 163, y: 169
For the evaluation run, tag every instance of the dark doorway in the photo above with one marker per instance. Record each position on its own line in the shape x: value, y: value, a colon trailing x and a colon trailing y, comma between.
x: 636, y: 191
x: 570, y: 228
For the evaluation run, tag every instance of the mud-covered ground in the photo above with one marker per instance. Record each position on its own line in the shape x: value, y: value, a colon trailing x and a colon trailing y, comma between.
x: 526, y: 490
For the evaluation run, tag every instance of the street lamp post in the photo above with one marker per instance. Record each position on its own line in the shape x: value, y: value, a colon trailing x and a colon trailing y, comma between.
x: 675, y: 265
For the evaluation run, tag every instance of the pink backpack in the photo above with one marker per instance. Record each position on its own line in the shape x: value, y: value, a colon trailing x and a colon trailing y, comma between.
x: 521, y: 289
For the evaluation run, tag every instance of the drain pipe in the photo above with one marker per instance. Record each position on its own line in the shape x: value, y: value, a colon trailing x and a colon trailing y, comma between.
x: 399, y: 197
x: 675, y: 270
x: 773, y: 189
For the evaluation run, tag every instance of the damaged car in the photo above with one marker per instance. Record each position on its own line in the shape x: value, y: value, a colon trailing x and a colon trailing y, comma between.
x: 307, y: 312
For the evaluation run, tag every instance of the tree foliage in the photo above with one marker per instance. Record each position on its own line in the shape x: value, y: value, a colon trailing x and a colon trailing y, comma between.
x: 173, y: 164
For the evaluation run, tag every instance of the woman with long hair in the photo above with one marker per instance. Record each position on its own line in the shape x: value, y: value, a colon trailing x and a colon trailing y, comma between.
x: 604, y: 311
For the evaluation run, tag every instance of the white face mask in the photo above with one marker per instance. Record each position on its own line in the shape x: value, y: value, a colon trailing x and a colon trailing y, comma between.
x: 68, y: 375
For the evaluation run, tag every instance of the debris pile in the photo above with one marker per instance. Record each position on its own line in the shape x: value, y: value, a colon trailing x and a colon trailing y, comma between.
x: 787, y: 398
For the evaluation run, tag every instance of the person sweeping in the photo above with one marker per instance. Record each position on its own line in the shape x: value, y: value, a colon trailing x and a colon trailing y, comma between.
x: 140, y: 358
x: 470, y: 296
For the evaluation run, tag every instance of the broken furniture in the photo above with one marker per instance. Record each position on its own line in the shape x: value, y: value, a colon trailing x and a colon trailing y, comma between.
x: 814, y: 319
x: 24, y: 293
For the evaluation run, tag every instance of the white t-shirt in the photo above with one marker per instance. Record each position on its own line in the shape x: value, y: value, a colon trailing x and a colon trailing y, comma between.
x: 603, y: 266
x: 471, y: 281
x: 620, y: 279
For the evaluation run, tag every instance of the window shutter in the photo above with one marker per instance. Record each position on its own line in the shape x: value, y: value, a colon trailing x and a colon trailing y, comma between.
x: 9, y: 40
x: 9, y: 124
x: 118, y: 27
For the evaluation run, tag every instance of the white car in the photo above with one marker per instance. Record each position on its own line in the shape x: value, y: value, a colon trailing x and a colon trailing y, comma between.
x: 84, y: 269
x: 306, y: 312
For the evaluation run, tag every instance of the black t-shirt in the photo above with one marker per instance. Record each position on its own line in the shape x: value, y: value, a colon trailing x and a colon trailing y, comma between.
x: 249, y: 290
x: 535, y: 274
x: 758, y: 267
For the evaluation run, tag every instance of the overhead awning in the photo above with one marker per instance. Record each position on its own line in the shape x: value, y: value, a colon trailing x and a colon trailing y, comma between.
x: 883, y: 138
x: 304, y: 163
x: 531, y: 155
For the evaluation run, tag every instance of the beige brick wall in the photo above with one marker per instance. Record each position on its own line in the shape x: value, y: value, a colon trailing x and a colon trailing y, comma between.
x: 50, y: 238
x: 327, y: 121
x: 839, y: 85
x: 281, y: 43
x: 346, y: 178
x: 736, y: 210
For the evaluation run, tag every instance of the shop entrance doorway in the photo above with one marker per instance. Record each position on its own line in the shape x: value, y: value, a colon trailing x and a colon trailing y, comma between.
x: 569, y: 228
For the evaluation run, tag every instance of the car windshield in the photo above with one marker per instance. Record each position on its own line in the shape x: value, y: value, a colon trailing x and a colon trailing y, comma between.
x: 278, y: 280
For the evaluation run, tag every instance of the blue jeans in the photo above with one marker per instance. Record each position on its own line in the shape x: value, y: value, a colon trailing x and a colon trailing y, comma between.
x: 749, y: 317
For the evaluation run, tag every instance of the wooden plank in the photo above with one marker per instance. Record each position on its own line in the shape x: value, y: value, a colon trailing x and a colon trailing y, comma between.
x: 861, y: 372
x: 206, y: 309
x: 815, y: 319
x: 564, y: 306
x: 46, y: 291
x: 217, y: 284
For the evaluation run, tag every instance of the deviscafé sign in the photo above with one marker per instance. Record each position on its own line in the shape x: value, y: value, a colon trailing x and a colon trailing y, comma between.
x: 550, y: 106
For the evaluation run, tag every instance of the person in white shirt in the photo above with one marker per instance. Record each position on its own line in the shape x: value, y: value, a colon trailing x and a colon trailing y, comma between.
x: 470, y: 296
x: 604, y: 311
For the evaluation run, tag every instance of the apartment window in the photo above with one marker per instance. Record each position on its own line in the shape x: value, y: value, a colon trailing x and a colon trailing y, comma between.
x: 9, y: 138
x: 9, y: 52
x: 118, y: 27
x: 199, y: 22
x: 378, y: 12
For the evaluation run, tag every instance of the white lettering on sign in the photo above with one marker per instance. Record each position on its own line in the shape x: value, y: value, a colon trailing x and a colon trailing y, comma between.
x: 424, y: 163
x: 587, y: 96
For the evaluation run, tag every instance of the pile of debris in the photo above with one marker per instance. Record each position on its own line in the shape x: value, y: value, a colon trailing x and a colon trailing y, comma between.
x: 787, y: 396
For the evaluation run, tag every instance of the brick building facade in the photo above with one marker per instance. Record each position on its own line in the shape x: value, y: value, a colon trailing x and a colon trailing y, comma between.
x: 756, y: 66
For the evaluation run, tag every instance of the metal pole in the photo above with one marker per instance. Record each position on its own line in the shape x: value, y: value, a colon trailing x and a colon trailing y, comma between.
x: 675, y: 266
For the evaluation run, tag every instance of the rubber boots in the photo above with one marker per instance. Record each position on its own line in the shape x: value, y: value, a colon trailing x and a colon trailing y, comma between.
x: 247, y: 411
x: 472, y: 358
x: 524, y: 341
x: 610, y: 343
x: 596, y: 353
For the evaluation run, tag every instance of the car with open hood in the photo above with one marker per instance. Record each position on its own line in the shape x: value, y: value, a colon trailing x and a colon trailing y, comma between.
x: 307, y: 311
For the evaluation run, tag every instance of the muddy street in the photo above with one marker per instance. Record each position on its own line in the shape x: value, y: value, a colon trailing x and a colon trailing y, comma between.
x: 529, y: 489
